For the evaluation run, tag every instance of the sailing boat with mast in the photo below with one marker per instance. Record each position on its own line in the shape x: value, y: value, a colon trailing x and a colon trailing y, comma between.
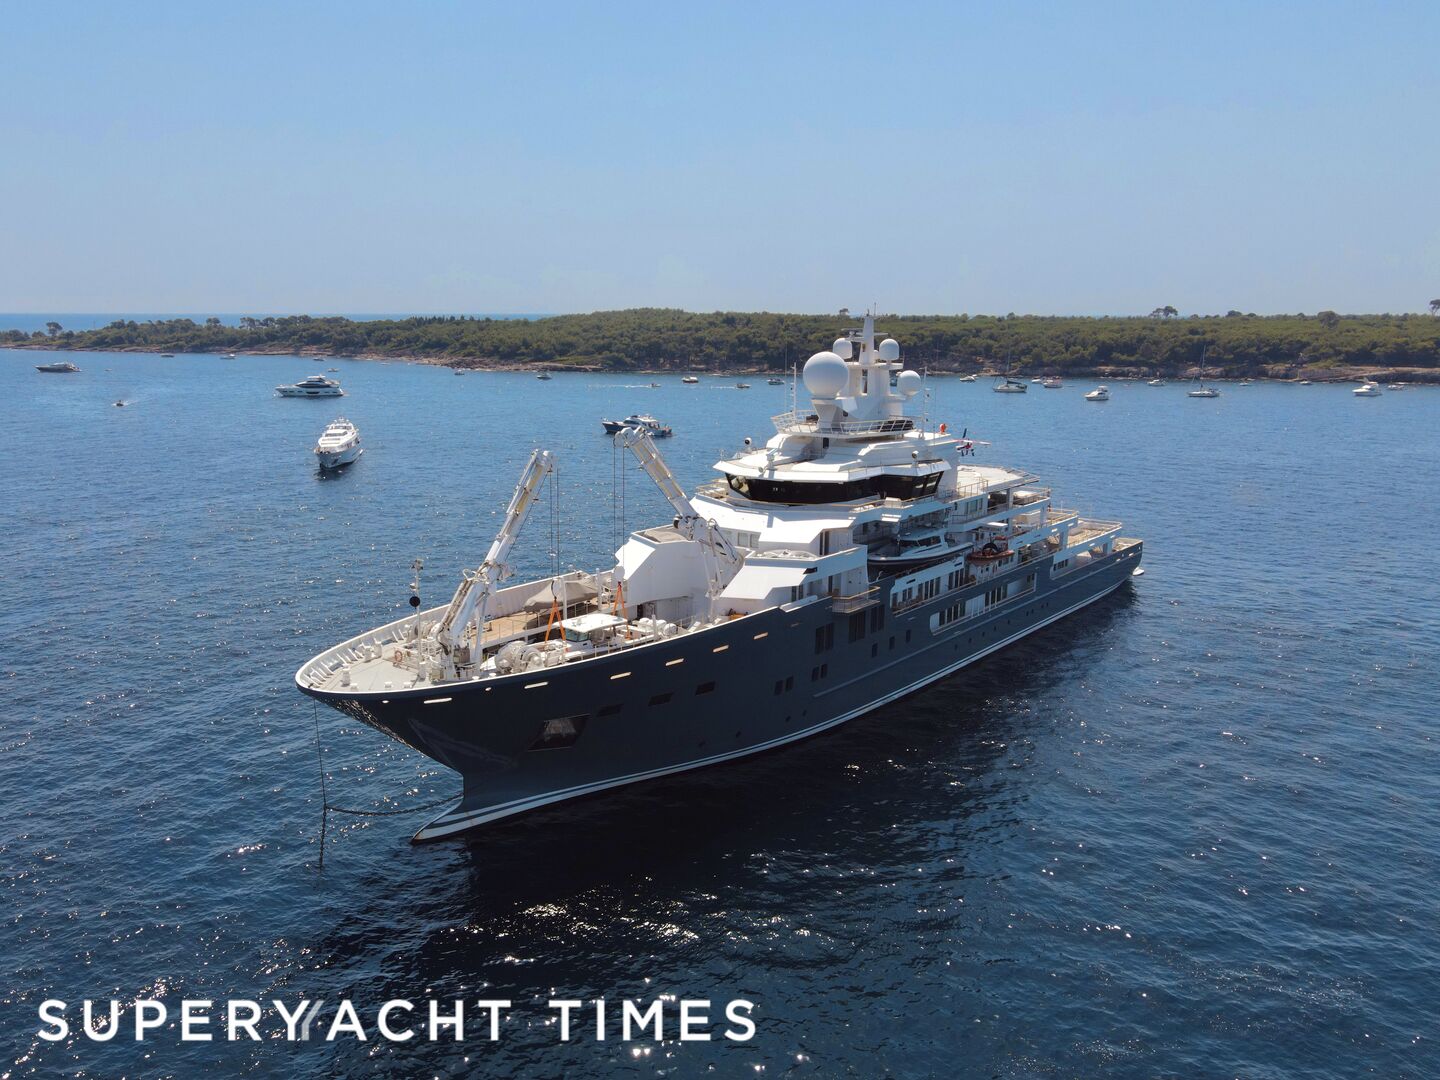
x: 1202, y: 390
x: 1009, y: 384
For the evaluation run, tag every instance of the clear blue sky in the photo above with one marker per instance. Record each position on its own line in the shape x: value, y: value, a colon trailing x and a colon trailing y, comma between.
x: 1047, y: 158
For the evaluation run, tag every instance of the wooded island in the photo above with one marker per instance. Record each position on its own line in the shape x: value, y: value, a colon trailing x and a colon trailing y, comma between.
x: 1325, y: 345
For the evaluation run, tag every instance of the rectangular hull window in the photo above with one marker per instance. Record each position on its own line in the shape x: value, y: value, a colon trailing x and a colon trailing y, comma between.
x: 559, y: 732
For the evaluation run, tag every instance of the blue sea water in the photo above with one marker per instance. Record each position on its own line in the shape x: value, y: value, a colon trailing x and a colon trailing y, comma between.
x: 1191, y: 831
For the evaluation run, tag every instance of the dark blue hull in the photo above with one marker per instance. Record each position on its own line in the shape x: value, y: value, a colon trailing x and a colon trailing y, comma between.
x: 525, y: 740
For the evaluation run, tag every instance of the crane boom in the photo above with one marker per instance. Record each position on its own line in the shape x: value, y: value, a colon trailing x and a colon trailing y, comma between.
x: 470, y: 600
x: 687, y: 521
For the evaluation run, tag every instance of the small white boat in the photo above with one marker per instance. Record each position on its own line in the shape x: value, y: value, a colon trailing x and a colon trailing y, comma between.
x: 691, y: 379
x: 1052, y: 383
x: 1037, y: 379
x: 1395, y: 386
x: 916, y: 547
x: 1156, y: 382
x: 1203, y: 391
x: 1010, y: 386
x: 229, y: 356
x: 969, y: 378
x: 312, y: 386
x: 62, y: 367
x: 1368, y: 389
x: 1100, y: 393
x: 544, y: 376
x: 643, y: 421
x: 776, y: 382
x: 742, y: 386
x: 339, y: 444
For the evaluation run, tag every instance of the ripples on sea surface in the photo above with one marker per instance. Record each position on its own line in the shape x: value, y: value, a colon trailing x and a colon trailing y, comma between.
x: 1190, y: 831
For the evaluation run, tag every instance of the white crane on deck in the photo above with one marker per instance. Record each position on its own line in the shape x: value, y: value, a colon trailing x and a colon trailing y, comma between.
x: 688, y: 522
x: 468, y: 605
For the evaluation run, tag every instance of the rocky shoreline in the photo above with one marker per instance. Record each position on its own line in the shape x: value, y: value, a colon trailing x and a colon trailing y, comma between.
x: 1275, y: 373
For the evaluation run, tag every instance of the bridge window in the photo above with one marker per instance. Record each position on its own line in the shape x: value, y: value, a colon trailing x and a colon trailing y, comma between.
x: 810, y: 492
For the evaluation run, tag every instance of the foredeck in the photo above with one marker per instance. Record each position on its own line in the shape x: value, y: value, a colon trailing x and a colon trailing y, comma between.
x: 384, y: 659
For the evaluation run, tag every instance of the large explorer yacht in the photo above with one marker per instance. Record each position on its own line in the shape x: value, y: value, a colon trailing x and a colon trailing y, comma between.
x: 859, y: 555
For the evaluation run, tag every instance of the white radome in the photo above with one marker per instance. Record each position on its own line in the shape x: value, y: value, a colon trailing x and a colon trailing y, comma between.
x: 826, y: 375
x: 842, y: 348
x: 889, y: 350
x: 908, y: 383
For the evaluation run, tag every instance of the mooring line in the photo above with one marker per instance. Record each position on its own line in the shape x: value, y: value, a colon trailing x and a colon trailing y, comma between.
x: 326, y: 809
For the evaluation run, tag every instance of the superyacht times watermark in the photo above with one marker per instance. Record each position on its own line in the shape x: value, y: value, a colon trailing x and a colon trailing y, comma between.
x: 398, y: 1021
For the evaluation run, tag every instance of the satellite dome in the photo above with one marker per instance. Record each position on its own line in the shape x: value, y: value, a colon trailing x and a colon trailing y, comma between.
x: 826, y: 375
x: 842, y: 348
x: 889, y: 350
x: 908, y: 383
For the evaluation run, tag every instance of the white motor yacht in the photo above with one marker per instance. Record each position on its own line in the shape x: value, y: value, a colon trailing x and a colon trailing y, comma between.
x: 1368, y: 389
x: 339, y: 444
x: 1010, y: 386
x: 690, y: 379
x: 312, y: 386
x: 62, y: 367
x: 640, y: 422
x: 1100, y: 393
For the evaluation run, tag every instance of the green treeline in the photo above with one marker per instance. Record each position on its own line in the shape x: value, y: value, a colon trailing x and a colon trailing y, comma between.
x: 661, y: 338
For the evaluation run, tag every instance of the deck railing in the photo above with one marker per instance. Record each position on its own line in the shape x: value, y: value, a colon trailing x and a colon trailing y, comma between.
x: 855, y: 601
x: 796, y: 422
